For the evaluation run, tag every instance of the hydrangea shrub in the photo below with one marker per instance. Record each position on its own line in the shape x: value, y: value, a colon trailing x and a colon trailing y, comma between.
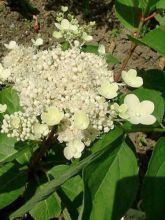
x: 65, y: 116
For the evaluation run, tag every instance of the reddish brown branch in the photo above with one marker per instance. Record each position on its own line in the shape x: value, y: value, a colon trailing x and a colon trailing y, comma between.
x: 37, y: 156
x: 125, y: 62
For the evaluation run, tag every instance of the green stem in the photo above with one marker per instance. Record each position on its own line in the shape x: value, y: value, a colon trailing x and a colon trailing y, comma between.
x: 161, y: 130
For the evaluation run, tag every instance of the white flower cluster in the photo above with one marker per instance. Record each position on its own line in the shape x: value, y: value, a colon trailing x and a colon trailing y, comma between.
x: 71, y: 89
x: 62, y: 87
x: 23, y: 126
x: 69, y: 29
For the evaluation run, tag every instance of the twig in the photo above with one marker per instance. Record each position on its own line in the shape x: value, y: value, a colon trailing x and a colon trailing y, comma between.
x: 37, y: 156
x: 125, y: 62
x: 133, y: 46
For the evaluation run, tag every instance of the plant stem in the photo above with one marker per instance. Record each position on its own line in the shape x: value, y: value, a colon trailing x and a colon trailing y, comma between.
x: 37, y: 156
x: 161, y: 130
x: 125, y: 62
x: 130, y: 53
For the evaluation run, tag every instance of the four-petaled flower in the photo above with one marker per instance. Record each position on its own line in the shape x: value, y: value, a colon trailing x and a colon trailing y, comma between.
x: 131, y: 78
x: 108, y: 90
x: 139, y: 112
x: 52, y: 116
x: 74, y: 149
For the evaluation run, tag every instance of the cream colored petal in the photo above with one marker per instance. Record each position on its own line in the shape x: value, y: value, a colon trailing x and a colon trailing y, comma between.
x: 81, y: 120
x: 57, y: 34
x: 132, y: 73
x: 136, y: 82
x: 147, y: 120
x: 68, y: 153
x: 147, y: 107
x: 108, y: 90
x: 133, y: 119
x: 58, y: 26
x: 65, y: 24
x: 131, y: 101
x: 3, y: 108
x: 77, y: 155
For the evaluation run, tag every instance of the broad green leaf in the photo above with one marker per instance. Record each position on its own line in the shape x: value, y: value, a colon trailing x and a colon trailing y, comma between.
x: 12, y: 182
x: 107, y: 139
x: 53, y: 184
x: 94, y: 49
x: 155, y: 40
x: 72, y: 187
x: 25, y: 157
x: 110, y: 184
x: 48, y: 208
x: 148, y: 6
x: 9, y: 153
x: 161, y: 20
x: 10, y: 97
x: 153, y: 192
x: 136, y: 41
x: 155, y: 97
x: 6, y: 147
x: 160, y: 4
x: 154, y: 79
x: 128, y: 13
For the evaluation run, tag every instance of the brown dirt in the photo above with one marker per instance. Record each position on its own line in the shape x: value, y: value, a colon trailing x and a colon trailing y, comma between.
x: 14, y: 26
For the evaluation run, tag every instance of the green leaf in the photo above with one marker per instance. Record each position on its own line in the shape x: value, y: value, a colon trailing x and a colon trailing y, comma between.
x: 6, y: 147
x: 161, y: 20
x: 48, y: 208
x: 72, y: 187
x: 94, y: 49
x: 155, y: 40
x: 106, y: 139
x: 154, y: 79
x: 160, y: 4
x: 53, y: 184
x: 128, y: 13
x: 9, y: 153
x: 110, y: 184
x: 111, y: 59
x: 9, y: 97
x: 153, y: 192
x: 148, y: 6
x: 12, y: 182
x: 155, y: 97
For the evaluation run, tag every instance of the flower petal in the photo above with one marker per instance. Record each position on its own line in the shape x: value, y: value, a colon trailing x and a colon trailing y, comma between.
x: 132, y: 101
x: 147, y: 120
x: 68, y: 153
x: 147, y: 107
x: 133, y: 119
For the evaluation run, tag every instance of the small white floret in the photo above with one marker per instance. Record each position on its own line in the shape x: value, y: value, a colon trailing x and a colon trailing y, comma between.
x: 3, y: 108
x: 101, y: 49
x: 108, y: 90
x: 11, y: 45
x: 64, y: 8
x: 131, y: 78
x: 81, y: 120
x: 37, y: 43
x: 52, y: 116
x: 57, y: 34
x: 139, y: 112
x: 74, y: 149
x: 87, y: 37
x: 40, y: 130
